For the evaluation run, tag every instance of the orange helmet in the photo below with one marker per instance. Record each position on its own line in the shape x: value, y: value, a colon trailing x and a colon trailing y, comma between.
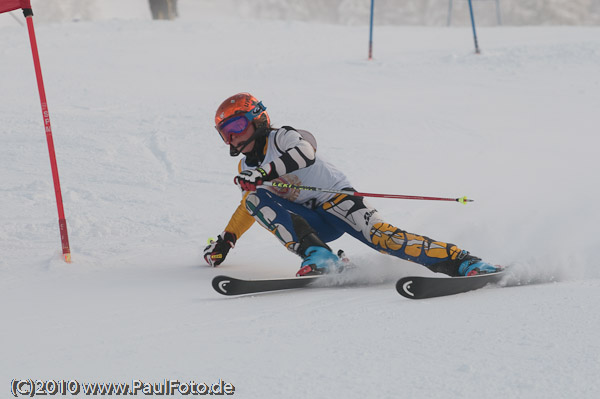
x: 242, y: 103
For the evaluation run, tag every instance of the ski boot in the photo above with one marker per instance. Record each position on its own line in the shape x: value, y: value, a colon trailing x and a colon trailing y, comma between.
x: 319, y: 260
x: 317, y: 257
x: 474, y: 266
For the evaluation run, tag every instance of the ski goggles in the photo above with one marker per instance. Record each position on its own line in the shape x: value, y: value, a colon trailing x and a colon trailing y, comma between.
x: 238, y: 124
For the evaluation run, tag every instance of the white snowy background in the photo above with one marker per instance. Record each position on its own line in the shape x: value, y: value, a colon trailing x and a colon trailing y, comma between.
x: 146, y: 180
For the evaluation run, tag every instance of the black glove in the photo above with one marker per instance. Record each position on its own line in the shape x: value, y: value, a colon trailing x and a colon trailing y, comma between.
x: 216, y: 251
x: 249, y: 179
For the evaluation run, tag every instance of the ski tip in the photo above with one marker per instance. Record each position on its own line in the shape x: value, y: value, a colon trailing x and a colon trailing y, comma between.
x: 404, y: 286
x: 221, y: 284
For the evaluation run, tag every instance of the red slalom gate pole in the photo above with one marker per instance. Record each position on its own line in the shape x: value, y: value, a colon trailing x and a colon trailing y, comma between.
x: 462, y: 200
x: 62, y: 222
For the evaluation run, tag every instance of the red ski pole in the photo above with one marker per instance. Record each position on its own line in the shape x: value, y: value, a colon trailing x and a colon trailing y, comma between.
x: 462, y: 200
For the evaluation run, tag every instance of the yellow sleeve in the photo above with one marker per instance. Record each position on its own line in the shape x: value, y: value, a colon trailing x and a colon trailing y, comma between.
x: 240, y: 221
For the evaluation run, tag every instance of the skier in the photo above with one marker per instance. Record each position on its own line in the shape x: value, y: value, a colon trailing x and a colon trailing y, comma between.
x: 304, y: 221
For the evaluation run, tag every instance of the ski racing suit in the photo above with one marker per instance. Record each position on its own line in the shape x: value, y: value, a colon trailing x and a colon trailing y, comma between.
x: 290, y: 214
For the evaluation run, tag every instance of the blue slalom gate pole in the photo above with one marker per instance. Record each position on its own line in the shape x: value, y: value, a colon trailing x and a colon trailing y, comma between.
x: 371, y: 31
x: 473, y: 25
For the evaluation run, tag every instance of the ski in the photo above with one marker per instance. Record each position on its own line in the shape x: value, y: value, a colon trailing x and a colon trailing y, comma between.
x: 409, y: 287
x: 234, y: 286
x: 431, y: 287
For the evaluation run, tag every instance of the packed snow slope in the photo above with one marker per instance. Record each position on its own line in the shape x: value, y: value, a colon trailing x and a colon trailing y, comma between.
x: 146, y: 181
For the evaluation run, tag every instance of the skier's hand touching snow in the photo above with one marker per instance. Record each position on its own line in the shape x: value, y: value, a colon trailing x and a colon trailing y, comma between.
x: 216, y: 251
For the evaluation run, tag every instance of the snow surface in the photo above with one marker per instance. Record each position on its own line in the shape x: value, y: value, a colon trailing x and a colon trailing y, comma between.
x: 146, y: 180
